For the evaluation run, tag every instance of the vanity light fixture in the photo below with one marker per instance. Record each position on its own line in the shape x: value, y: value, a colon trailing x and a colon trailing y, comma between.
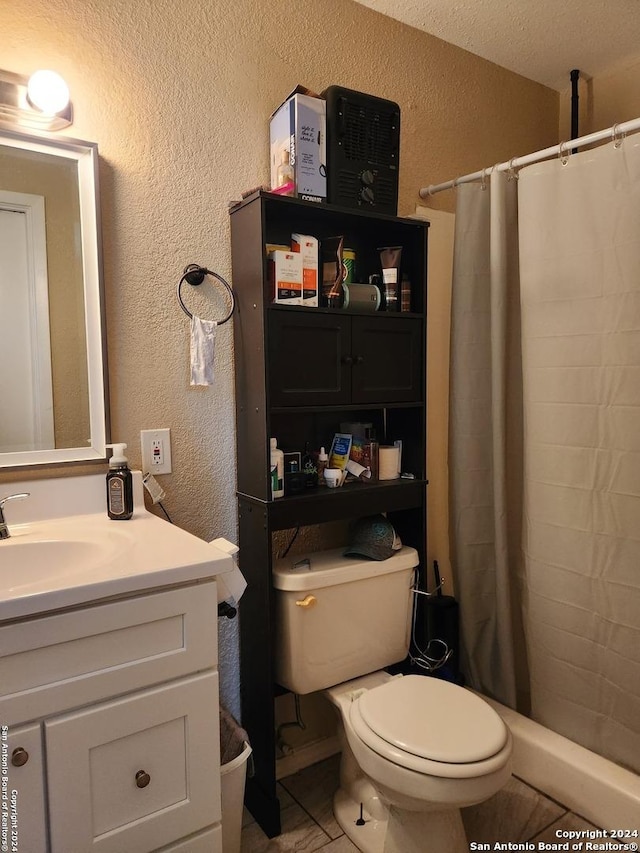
x: 40, y: 102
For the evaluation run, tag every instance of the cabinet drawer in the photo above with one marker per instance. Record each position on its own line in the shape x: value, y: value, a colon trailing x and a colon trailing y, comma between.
x: 209, y: 841
x: 59, y: 662
x: 25, y: 776
x: 136, y: 773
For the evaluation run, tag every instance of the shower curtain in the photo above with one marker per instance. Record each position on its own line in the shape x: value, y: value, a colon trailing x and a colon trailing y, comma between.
x: 576, y: 568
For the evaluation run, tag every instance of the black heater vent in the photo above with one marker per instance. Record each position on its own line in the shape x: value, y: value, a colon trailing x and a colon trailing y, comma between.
x: 369, y: 134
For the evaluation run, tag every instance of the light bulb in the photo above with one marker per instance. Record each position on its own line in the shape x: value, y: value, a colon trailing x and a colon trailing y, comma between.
x: 48, y: 92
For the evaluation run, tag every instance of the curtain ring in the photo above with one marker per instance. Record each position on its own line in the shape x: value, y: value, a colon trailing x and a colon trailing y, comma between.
x: 512, y: 175
x: 483, y: 179
x: 563, y: 155
x: 617, y: 136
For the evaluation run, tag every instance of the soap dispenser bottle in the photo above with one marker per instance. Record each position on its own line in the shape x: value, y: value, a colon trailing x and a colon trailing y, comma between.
x: 119, y: 485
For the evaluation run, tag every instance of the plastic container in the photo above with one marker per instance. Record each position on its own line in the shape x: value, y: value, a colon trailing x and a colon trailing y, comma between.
x: 233, y: 776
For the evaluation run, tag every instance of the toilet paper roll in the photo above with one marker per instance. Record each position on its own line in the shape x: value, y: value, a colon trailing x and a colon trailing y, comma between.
x: 388, y: 463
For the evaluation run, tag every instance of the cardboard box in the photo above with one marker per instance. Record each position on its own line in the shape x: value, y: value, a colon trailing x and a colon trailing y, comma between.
x: 298, y: 146
x: 307, y: 246
x: 285, y: 277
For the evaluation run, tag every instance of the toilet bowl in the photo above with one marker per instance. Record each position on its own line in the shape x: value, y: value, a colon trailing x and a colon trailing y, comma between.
x: 415, y: 750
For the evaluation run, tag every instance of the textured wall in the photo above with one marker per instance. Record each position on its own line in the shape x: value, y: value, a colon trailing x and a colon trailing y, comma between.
x: 178, y: 96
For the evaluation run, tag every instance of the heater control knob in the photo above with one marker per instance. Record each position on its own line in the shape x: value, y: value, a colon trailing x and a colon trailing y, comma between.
x: 367, y: 177
x: 366, y: 195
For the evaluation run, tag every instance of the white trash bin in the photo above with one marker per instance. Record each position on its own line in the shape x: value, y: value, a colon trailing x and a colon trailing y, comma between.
x: 233, y: 775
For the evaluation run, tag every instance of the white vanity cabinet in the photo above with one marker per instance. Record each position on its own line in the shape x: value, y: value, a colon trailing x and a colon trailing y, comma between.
x: 116, y: 706
x: 25, y: 777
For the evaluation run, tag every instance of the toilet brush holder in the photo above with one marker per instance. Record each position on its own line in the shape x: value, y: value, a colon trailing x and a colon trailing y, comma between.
x: 442, y: 623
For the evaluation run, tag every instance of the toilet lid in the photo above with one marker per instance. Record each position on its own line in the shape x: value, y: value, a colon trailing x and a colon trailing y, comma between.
x: 433, y: 719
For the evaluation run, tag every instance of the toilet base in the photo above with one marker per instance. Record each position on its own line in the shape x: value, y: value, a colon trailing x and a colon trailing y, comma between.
x: 399, y: 831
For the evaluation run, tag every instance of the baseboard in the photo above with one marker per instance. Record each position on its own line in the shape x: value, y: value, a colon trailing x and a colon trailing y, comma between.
x: 305, y: 756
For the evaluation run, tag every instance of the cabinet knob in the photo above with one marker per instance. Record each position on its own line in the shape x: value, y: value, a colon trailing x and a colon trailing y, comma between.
x: 307, y: 602
x: 359, y: 359
x: 19, y: 756
x: 346, y: 359
x: 142, y: 778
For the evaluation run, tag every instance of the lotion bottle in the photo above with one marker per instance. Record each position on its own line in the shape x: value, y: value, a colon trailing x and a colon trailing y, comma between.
x: 119, y: 485
x: 277, y: 470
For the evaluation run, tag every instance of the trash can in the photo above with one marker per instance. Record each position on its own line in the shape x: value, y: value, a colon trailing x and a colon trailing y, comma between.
x: 234, y: 755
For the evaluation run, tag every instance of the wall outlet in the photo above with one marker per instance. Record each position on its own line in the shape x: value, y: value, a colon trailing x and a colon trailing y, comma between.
x: 156, y: 451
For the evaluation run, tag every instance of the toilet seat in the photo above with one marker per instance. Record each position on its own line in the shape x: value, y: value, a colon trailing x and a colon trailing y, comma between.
x: 431, y: 726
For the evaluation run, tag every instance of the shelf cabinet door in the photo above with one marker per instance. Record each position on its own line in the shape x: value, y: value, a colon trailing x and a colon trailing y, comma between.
x: 387, y: 354
x: 332, y: 359
x: 25, y: 776
x: 100, y: 801
x: 309, y: 360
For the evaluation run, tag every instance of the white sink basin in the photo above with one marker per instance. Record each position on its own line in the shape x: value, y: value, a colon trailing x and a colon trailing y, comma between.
x: 50, y: 554
x: 26, y: 562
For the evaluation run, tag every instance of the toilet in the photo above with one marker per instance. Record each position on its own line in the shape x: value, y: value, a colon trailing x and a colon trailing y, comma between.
x: 415, y: 749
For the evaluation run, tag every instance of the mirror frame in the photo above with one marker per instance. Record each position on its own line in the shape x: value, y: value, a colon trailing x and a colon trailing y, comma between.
x: 86, y: 156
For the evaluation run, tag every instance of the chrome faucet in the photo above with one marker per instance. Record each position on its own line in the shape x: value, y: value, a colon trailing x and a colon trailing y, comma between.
x: 4, y: 530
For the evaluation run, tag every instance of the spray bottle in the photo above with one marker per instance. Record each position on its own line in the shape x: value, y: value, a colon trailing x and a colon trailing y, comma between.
x: 119, y: 485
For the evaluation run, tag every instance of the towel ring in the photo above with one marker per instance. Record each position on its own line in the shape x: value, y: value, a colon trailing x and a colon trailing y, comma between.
x: 194, y: 275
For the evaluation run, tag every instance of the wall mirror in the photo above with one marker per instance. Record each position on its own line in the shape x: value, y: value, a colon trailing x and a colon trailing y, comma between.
x: 53, y: 401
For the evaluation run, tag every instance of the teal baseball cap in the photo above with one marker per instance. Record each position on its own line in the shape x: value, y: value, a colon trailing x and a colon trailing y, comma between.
x: 373, y: 537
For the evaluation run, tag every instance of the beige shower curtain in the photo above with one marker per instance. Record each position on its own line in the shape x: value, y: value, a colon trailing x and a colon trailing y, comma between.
x: 485, y: 435
x: 573, y: 564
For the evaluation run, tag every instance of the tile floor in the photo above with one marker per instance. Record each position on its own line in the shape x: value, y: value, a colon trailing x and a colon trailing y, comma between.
x: 517, y: 813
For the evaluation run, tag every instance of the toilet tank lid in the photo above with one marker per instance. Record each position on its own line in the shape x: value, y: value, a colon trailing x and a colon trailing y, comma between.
x: 329, y: 568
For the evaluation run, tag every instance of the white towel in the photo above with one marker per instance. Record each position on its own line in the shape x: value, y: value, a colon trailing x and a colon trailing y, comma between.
x: 203, y: 338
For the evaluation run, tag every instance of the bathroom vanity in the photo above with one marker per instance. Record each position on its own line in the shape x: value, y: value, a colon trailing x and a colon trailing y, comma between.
x: 108, y: 678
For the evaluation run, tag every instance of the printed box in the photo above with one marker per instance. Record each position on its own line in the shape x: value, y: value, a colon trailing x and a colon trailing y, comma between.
x: 298, y: 146
x: 285, y: 277
x: 307, y: 246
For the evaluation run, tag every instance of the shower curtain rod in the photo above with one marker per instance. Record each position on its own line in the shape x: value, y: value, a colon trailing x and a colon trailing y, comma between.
x: 613, y: 133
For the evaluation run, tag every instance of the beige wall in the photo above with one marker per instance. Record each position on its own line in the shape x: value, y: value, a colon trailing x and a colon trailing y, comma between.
x: 178, y: 96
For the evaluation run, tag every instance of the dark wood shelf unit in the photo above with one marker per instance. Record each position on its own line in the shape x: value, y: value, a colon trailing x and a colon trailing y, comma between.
x: 300, y: 373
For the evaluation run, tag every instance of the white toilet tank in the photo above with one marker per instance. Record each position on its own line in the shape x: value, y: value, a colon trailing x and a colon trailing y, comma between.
x: 339, y: 617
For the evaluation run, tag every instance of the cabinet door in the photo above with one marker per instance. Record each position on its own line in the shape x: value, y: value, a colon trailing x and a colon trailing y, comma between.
x: 24, y: 793
x: 309, y: 360
x: 388, y: 360
x: 137, y: 773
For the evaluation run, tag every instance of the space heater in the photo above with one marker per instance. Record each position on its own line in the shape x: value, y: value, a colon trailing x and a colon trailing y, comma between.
x: 363, y: 150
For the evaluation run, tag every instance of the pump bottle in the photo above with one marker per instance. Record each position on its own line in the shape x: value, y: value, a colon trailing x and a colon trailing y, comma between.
x: 119, y: 485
